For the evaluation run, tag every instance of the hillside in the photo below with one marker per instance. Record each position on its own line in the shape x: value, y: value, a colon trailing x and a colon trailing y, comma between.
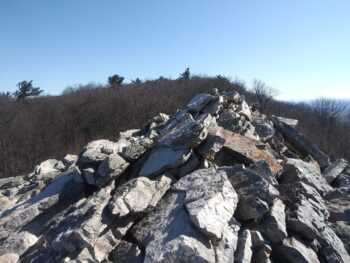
x: 37, y: 129
x: 214, y: 182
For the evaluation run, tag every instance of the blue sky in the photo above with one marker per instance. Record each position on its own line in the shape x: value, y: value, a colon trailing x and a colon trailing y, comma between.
x: 301, y: 48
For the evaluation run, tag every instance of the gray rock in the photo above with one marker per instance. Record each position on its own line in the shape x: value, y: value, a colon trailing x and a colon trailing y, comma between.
x: 227, y: 245
x: 126, y: 252
x: 244, y: 110
x: 210, y: 200
x: 198, y: 102
x: 187, y: 248
x: 255, y: 193
x: 70, y: 159
x: 274, y: 224
x: 298, y: 170
x: 49, y: 166
x: 334, y: 170
x: 139, y: 195
x: 18, y: 243
x: 338, y: 205
x: 331, y: 246
x: 23, y: 213
x: 9, y: 258
x: 294, y: 250
x: 211, y: 146
x: 136, y: 148
x: 89, y: 176
x: 162, y: 159
x: 342, y: 181
x: 111, y: 168
x: 215, y: 106
x: 303, y: 144
x: 244, y: 250
x: 188, y: 133
x: 96, y: 151
x: 169, y: 221
x: 306, y: 212
x: 262, y: 169
x: 192, y: 163
x: 288, y: 121
x: 83, y: 227
x: 264, y: 130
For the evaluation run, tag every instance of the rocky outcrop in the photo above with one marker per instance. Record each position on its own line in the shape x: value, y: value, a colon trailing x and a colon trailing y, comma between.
x: 215, y: 182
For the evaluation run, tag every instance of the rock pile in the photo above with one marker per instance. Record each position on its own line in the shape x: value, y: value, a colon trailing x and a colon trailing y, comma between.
x: 215, y: 182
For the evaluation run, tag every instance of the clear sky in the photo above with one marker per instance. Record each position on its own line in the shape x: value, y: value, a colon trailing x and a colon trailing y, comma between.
x: 301, y: 47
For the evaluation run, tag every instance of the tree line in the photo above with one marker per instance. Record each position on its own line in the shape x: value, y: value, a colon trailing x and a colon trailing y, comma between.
x: 34, y: 128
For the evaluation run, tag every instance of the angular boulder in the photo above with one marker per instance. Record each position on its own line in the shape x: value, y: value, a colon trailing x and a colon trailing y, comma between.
x: 245, y: 150
x: 139, y: 195
x: 210, y: 200
x: 162, y: 159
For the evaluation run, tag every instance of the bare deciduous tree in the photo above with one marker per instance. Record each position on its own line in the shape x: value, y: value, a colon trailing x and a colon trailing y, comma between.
x: 328, y: 112
x: 264, y: 94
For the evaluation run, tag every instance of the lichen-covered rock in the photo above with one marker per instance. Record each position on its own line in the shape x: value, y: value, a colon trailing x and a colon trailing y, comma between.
x: 298, y: 170
x: 255, y: 193
x: 162, y: 159
x: 210, y: 200
x: 139, y: 195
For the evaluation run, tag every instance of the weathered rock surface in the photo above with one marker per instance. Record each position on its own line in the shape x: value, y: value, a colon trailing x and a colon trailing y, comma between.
x: 334, y: 170
x: 162, y: 159
x: 210, y: 200
x: 255, y: 193
x: 216, y: 182
x: 296, y: 170
x: 245, y: 150
x: 139, y: 195
x: 302, y: 143
x: 294, y: 250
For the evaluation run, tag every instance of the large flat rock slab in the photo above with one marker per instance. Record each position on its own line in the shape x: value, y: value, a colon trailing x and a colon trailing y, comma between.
x: 246, y: 150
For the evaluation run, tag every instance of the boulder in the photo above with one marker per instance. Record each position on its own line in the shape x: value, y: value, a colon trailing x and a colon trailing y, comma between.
x: 199, y: 102
x: 334, y: 170
x: 111, y: 168
x: 293, y: 249
x: 306, y: 212
x: 262, y: 169
x: 255, y: 193
x: 273, y: 226
x: 96, y: 151
x: 244, y: 251
x: 136, y: 148
x: 170, y: 223
x: 215, y: 106
x: 338, y: 205
x: 70, y: 159
x: 184, y: 247
x: 299, y: 141
x: 210, y: 200
x: 139, y: 195
x: 211, y: 146
x: 245, y: 150
x: 227, y: 245
x: 18, y: 243
x: 291, y: 122
x: 297, y: 170
x: 188, y: 133
x: 331, y: 247
x: 162, y: 159
x: 49, y: 166
x: 126, y: 252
